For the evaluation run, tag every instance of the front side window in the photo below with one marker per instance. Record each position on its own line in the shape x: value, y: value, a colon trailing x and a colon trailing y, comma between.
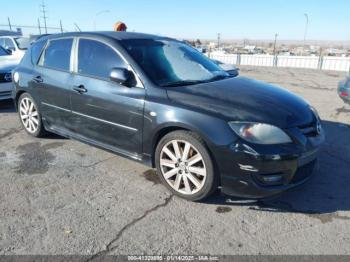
x: 7, y: 43
x: 97, y: 59
x: 172, y: 63
x: 57, y: 54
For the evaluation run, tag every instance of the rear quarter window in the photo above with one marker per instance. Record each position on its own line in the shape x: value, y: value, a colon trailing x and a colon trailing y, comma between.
x: 36, y: 50
x: 57, y: 54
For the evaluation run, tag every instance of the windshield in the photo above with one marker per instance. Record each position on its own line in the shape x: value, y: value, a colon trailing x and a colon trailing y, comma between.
x: 172, y: 63
x: 23, y: 43
x: 3, y: 52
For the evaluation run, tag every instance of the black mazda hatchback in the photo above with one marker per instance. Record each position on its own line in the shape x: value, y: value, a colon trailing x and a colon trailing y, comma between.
x: 161, y: 102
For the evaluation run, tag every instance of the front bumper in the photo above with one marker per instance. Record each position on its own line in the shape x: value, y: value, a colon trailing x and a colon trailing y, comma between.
x: 6, y: 90
x: 260, y: 171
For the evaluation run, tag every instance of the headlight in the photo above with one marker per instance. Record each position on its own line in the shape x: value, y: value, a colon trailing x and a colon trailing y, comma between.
x: 260, y: 133
x: 16, y: 77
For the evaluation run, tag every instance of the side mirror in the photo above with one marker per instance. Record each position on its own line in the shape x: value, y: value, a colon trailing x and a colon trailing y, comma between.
x: 233, y: 72
x: 120, y: 75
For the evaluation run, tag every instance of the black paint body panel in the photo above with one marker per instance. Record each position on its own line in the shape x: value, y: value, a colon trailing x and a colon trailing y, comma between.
x: 129, y: 121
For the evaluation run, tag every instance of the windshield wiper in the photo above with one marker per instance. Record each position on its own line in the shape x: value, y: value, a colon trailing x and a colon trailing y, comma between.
x: 182, y: 83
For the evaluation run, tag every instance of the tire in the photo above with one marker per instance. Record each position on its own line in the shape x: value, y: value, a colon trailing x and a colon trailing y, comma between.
x: 187, y: 169
x: 29, y: 116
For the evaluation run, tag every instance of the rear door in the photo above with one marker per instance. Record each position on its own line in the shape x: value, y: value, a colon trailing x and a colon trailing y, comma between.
x: 52, y: 81
x: 106, y: 112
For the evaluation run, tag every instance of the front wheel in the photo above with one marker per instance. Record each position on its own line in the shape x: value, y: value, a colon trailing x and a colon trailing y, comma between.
x: 30, y: 116
x: 185, y: 166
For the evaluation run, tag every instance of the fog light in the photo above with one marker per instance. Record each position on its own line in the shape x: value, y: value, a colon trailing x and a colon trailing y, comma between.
x: 272, y: 179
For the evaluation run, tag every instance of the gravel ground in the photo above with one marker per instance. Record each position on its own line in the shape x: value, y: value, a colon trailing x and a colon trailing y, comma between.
x: 59, y: 196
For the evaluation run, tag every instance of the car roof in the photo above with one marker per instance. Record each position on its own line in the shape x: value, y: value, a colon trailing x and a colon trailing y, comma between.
x: 108, y: 34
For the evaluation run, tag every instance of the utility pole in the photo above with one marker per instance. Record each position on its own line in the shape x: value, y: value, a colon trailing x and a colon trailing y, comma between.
x: 77, y: 27
x: 10, y: 26
x: 61, y: 26
x: 306, y: 27
x: 219, y: 36
x: 43, y: 10
x: 39, y: 27
x: 274, y: 45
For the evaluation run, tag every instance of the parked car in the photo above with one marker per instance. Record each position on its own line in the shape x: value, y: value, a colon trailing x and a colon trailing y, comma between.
x: 16, y: 45
x: 7, y: 64
x: 344, y: 90
x: 159, y: 101
x: 229, y: 68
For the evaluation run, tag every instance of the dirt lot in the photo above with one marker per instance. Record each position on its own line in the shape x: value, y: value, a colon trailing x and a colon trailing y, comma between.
x: 59, y: 196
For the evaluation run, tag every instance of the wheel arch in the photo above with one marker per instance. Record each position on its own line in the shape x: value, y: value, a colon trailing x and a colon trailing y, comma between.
x: 161, y: 133
x: 18, y: 94
x: 171, y: 127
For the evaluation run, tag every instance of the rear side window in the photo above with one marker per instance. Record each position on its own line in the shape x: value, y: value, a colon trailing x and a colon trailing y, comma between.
x: 57, y: 54
x: 37, y: 48
x: 97, y: 59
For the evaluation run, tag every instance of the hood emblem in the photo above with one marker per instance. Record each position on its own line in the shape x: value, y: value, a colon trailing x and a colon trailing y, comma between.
x: 8, y: 77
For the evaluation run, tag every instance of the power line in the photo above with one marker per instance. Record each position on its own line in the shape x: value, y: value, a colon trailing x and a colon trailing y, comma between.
x: 30, y: 26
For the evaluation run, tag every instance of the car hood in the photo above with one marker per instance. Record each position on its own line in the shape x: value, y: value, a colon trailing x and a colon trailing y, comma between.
x: 7, y: 68
x: 244, y: 99
x: 8, y: 62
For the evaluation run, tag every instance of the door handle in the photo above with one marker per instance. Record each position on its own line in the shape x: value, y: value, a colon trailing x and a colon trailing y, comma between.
x: 80, y: 89
x: 38, y: 79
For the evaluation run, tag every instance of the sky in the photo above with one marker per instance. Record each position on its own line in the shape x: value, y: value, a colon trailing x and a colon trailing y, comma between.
x: 192, y: 19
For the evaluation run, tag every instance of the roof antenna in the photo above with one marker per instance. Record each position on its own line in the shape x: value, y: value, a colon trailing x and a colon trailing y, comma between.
x: 77, y: 27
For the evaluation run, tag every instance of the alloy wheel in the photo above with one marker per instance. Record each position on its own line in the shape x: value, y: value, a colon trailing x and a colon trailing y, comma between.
x: 29, y: 115
x: 183, y: 167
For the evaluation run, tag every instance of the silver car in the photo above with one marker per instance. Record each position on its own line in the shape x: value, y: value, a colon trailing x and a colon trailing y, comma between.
x: 7, y: 64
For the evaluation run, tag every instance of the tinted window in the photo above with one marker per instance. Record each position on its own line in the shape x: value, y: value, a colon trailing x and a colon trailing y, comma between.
x: 7, y: 43
x: 37, y: 48
x: 3, y: 51
x: 97, y: 59
x: 57, y: 54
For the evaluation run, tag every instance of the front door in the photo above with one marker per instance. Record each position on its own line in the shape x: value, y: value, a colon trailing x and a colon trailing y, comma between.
x: 105, y: 112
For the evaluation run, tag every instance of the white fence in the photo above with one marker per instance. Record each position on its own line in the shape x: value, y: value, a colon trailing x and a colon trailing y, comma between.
x: 298, y: 61
x: 312, y: 62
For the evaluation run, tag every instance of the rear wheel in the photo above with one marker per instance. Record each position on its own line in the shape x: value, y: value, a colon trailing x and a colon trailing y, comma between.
x: 185, y: 166
x: 30, y: 116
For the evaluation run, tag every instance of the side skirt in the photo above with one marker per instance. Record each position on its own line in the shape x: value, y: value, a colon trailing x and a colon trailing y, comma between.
x: 141, y: 158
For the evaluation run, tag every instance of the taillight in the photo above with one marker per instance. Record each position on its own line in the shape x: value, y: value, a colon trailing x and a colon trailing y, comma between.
x: 344, y: 94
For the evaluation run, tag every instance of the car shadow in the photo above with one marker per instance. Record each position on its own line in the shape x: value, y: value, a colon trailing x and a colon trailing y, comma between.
x: 7, y: 106
x: 327, y: 191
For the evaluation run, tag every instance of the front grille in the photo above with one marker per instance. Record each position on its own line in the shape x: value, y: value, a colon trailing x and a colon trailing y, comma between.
x: 309, y: 130
x: 5, y: 93
x: 3, y: 78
